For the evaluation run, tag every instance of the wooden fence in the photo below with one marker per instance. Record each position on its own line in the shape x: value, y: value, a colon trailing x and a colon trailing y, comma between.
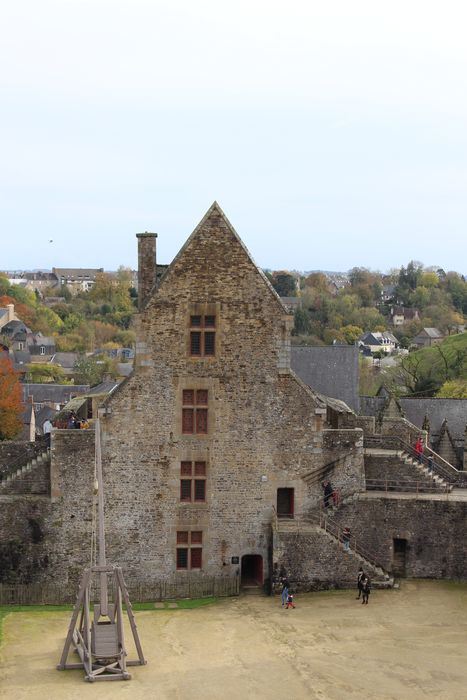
x: 172, y: 589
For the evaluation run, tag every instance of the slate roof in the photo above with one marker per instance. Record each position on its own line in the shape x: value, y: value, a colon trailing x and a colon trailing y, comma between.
x: 291, y: 303
x: 21, y: 357
x: 406, y: 311
x: 331, y: 370
x: 38, y: 339
x: 106, y: 387
x: 53, y: 393
x: 377, y: 337
x: 77, y: 273
x: 431, y: 333
x: 43, y: 414
x: 454, y: 410
x: 13, y: 328
x: 125, y: 368
x: 64, y: 359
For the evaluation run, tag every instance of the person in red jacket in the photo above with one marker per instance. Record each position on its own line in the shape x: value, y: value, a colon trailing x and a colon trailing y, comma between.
x: 419, y: 449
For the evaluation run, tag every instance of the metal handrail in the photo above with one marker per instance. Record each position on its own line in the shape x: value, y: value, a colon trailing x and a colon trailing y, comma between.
x: 439, y: 465
x: 329, y: 525
x: 405, y: 486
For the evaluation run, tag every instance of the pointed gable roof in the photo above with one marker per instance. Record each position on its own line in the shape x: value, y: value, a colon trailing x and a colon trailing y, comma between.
x: 215, y: 212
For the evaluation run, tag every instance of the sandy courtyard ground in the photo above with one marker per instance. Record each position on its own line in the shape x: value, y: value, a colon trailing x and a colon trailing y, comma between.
x: 407, y: 645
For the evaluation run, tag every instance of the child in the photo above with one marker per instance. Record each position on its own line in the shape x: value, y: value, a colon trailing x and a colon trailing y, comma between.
x: 290, y: 603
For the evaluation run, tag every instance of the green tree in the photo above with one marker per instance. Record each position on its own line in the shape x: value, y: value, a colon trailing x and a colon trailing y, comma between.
x: 284, y: 284
x: 319, y: 281
x: 453, y: 389
x: 91, y: 370
x: 351, y: 333
x: 301, y: 322
x: 41, y: 373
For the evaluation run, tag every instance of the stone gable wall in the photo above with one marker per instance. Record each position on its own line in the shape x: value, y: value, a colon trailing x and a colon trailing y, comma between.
x: 265, y: 428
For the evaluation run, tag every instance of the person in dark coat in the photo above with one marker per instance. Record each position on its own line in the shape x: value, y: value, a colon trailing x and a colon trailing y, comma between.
x: 328, y: 491
x: 360, y: 576
x: 346, y: 538
x: 366, y: 590
x: 285, y: 591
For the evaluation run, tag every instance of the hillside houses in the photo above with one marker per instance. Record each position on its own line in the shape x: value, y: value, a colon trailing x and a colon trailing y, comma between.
x: 378, y: 341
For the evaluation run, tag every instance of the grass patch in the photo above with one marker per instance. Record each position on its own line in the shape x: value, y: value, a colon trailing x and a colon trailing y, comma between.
x: 185, y: 604
x: 7, y: 609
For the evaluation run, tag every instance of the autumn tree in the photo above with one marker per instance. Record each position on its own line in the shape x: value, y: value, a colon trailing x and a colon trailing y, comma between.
x: 11, y: 405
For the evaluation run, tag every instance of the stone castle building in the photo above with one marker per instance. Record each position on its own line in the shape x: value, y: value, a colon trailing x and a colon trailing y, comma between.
x: 214, y: 454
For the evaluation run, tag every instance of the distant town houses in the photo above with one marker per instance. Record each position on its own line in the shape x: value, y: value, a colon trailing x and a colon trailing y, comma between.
x: 403, y: 314
x: 291, y: 303
x: 25, y: 348
x: 16, y: 337
x: 388, y: 292
x: 378, y: 342
x: 337, y: 282
x: 7, y: 314
x: 76, y: 279
x: 33, y: 281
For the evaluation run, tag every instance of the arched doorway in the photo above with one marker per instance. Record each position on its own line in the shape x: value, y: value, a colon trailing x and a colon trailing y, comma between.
x: 252, y: 570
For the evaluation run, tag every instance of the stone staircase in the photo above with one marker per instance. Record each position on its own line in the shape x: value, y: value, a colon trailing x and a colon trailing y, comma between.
x: 379, y: 577
x: 319, y: 528
x: 423, y: 469
x: 23, y: 470
x: 399, y: 471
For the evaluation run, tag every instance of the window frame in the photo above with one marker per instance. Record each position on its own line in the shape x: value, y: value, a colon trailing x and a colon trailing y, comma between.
x: 188, y: 542
x: 195, y: 416
x: 204, y: 327
x: 195, y: 477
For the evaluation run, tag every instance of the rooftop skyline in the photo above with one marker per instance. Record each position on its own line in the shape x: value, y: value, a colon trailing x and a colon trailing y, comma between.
x: 332, y: 135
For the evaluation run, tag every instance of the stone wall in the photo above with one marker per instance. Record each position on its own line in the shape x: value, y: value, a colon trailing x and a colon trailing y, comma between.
x: 24, y: 543
x: 382, y: 467
x: 434, y: 530
x: 315, y: 561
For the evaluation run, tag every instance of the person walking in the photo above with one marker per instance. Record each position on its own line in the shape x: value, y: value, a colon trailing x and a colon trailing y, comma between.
x: 366, y: 590
x: 430, y: 463
x: 290, y: 603
x: 360, y: 577
x: 346, y: 539
x: 285, y: 591
x: 419, y: 449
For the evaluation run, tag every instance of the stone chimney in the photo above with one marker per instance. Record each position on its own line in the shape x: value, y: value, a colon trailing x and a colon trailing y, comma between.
x: 11, y: 312
x: 146, y: 266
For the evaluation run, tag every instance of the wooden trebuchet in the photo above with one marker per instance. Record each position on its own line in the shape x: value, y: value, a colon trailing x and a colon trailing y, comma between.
x: 100, y: 641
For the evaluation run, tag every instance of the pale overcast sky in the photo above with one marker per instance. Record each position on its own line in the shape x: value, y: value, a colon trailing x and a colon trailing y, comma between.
x: 332, y: 133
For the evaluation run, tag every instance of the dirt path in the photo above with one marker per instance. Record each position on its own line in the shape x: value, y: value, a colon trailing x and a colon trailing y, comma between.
x: 405, y: 645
